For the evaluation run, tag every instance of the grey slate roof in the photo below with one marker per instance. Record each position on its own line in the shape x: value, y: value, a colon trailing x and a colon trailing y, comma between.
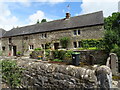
x: 95, y: 18
x: 2, y: 32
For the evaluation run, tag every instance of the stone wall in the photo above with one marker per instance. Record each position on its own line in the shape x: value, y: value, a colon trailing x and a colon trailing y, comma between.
x: 22, y: 44
x: 49, y: 75
x: 99, y: 56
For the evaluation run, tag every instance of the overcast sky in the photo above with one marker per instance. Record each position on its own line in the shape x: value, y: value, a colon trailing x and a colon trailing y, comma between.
x: 19, y: 13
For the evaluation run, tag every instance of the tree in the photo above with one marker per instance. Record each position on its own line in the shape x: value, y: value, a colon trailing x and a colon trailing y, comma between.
x: 112, y: 34
x: 112, y: 31
x: 43, y: 20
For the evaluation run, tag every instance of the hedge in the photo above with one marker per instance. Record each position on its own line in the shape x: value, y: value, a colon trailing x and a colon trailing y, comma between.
x: 88, y: 43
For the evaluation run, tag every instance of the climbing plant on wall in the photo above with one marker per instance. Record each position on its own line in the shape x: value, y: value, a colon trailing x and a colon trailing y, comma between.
x: 65, y: 42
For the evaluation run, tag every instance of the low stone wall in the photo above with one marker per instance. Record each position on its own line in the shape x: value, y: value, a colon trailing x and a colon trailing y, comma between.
x: 49, y: 75
x: 99, y: 56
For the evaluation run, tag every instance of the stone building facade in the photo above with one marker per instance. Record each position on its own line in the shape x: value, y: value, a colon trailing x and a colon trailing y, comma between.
x: 25, y: 39
x: 2, y: 32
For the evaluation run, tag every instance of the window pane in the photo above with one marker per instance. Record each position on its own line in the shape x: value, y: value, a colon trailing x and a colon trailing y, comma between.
x: 3, y: 48
x: 75, y: 44
x: 32, y: 47
x: 75, y: 32
x: 79, y: 43
x: 45, y: 35
x: 78, y: 32
x: 42, y: 35
x: 10, y: 40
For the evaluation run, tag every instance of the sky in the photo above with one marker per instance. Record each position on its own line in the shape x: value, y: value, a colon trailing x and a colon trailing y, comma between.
x: 19, y: 13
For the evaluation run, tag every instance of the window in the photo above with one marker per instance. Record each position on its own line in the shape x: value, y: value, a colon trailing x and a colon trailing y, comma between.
x: 77, y: 32
x: 42, y: 46
x: 10, y: 47
x: 3, y: 48
x: 10, y: 40
x: 79, y: 43
x: 25, y: 38
x: 44, y: 35
x: 31, y: 47
x: 75, y: 44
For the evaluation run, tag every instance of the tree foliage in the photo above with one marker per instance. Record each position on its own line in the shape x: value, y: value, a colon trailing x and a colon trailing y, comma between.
x: 112, y: 31
x: 43, y: 20
x: 112, y: 34
x: 11, y: 73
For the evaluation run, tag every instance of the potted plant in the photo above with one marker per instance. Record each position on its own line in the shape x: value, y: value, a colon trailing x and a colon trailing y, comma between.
x: 19, y: 53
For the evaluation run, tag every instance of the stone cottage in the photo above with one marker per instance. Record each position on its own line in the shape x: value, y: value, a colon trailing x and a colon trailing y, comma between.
x: 2, y: 32
x: 25, y: 39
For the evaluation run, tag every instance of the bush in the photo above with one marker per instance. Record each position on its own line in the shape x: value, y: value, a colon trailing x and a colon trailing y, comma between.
x: 58, y: 60
x: 37, y: 49
x: 19, y: 53
x: 90, y: 43
x: 47, y: 52
x: 63, y: 55
x: 11, y: 73
x: 68, y: 55
x: 65, y: 42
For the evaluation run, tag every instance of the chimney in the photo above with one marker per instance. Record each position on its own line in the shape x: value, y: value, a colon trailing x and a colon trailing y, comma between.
x: 67, y: 15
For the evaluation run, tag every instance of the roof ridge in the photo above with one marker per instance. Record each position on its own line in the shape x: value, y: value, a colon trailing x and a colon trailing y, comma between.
x: 56, y: 20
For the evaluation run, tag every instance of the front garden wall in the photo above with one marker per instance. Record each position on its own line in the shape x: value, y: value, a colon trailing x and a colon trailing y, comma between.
x: 47, y: 75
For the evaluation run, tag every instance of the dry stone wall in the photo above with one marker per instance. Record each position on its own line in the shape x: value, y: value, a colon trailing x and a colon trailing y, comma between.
x: 49, y: 75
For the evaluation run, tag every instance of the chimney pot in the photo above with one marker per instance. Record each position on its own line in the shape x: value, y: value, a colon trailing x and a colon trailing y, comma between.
x: 67, y: 15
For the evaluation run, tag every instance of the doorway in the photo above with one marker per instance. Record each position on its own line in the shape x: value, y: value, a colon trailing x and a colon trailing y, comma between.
x: 14, y: 50
x: 56, y: 45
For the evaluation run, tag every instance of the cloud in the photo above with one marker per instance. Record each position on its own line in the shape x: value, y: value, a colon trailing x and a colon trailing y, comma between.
x: 38, y: 15
x: 7, y: 20
x: 107, y: 6
x: 32, y: 1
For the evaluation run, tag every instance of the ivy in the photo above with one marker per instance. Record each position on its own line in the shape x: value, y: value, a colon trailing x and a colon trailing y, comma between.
x: 90, y: 43
x: 65, y: 41
x: 11, y: 73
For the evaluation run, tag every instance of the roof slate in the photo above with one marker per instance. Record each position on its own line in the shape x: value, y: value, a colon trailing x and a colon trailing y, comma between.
x: 95, y: 18
x: 2, y: 32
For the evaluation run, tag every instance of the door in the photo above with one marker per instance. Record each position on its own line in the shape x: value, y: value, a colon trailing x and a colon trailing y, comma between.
x: 56, y: 45
x: 14, y: 50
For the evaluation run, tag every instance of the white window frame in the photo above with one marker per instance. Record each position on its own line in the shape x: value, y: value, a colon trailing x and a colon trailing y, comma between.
x: 76, y: 31
x: 31, y: 47
x: 43, y: 35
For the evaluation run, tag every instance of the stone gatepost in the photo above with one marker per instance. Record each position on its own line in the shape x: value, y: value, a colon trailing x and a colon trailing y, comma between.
x: 112, y: 62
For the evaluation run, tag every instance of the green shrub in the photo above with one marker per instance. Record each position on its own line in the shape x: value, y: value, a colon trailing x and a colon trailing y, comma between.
x: 68, y: 55
x: 47, y: 52
x: 11, y: 73
x: 19, y: 53
x: 63, y: 55
x: 90, y: 43
x: 37, y: 49
x: 58, y: 60
x: 56, y: 54
x: 65, y: 42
